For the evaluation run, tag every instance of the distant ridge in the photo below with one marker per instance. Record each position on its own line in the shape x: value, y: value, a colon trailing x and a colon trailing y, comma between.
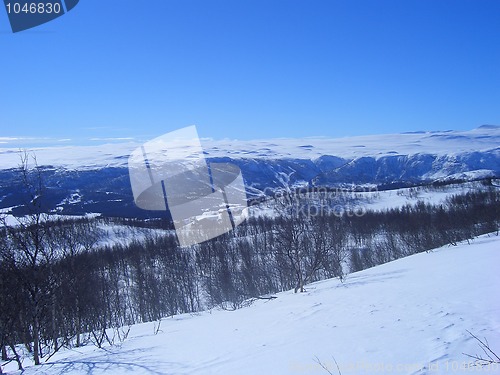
x: 94, y: 179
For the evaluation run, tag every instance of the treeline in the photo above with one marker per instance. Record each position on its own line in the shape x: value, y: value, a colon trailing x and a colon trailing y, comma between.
x: 380, y: 237
x: 59, y: 288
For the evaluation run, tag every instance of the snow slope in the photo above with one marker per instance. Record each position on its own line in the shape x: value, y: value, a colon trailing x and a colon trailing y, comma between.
x: 409, y: 316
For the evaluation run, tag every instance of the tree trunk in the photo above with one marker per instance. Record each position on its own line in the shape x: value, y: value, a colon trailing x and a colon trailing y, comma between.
x: 16, y: 356
x: 4, y: 354
x: 78, y: 329
x: 36, y: 342
x: 300, y: 283
x: 54, y: 325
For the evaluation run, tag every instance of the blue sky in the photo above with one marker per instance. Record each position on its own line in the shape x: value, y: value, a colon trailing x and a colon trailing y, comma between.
x: 251, y: 69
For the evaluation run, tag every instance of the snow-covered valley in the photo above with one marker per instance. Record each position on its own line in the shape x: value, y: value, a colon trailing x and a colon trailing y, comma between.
x: 95, y: 179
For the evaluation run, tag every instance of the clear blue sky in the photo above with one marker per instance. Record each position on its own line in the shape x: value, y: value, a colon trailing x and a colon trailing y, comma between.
x: 250, y: 69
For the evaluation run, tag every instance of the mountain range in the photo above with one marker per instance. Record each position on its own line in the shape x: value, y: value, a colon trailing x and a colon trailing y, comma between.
x: 94, y: 179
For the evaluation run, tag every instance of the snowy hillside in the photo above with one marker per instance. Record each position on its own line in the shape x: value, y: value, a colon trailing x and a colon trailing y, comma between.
x: 410, y: 316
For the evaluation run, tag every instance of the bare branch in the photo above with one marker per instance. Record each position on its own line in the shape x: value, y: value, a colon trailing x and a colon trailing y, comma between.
x: 324, y: 367
x: 479, y: 360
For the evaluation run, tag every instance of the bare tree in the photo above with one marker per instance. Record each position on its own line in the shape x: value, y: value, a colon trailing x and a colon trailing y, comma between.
x: 291, y: 233
x: 70, y: 239
x: 28, y: 249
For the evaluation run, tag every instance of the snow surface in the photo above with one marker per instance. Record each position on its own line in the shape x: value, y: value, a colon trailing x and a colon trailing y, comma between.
x: 383, y: 200
x: 409, y: 316
x: 387, y: 199
x: 118, y: 234
x: 14, y: 221
x: 435, y: 143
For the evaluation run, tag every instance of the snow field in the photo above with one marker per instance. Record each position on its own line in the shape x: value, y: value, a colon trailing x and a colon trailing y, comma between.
x: 410, y: 316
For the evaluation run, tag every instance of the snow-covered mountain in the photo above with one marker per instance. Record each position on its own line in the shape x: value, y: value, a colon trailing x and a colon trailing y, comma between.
x: 85, y: 179
x: 410, y: 316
